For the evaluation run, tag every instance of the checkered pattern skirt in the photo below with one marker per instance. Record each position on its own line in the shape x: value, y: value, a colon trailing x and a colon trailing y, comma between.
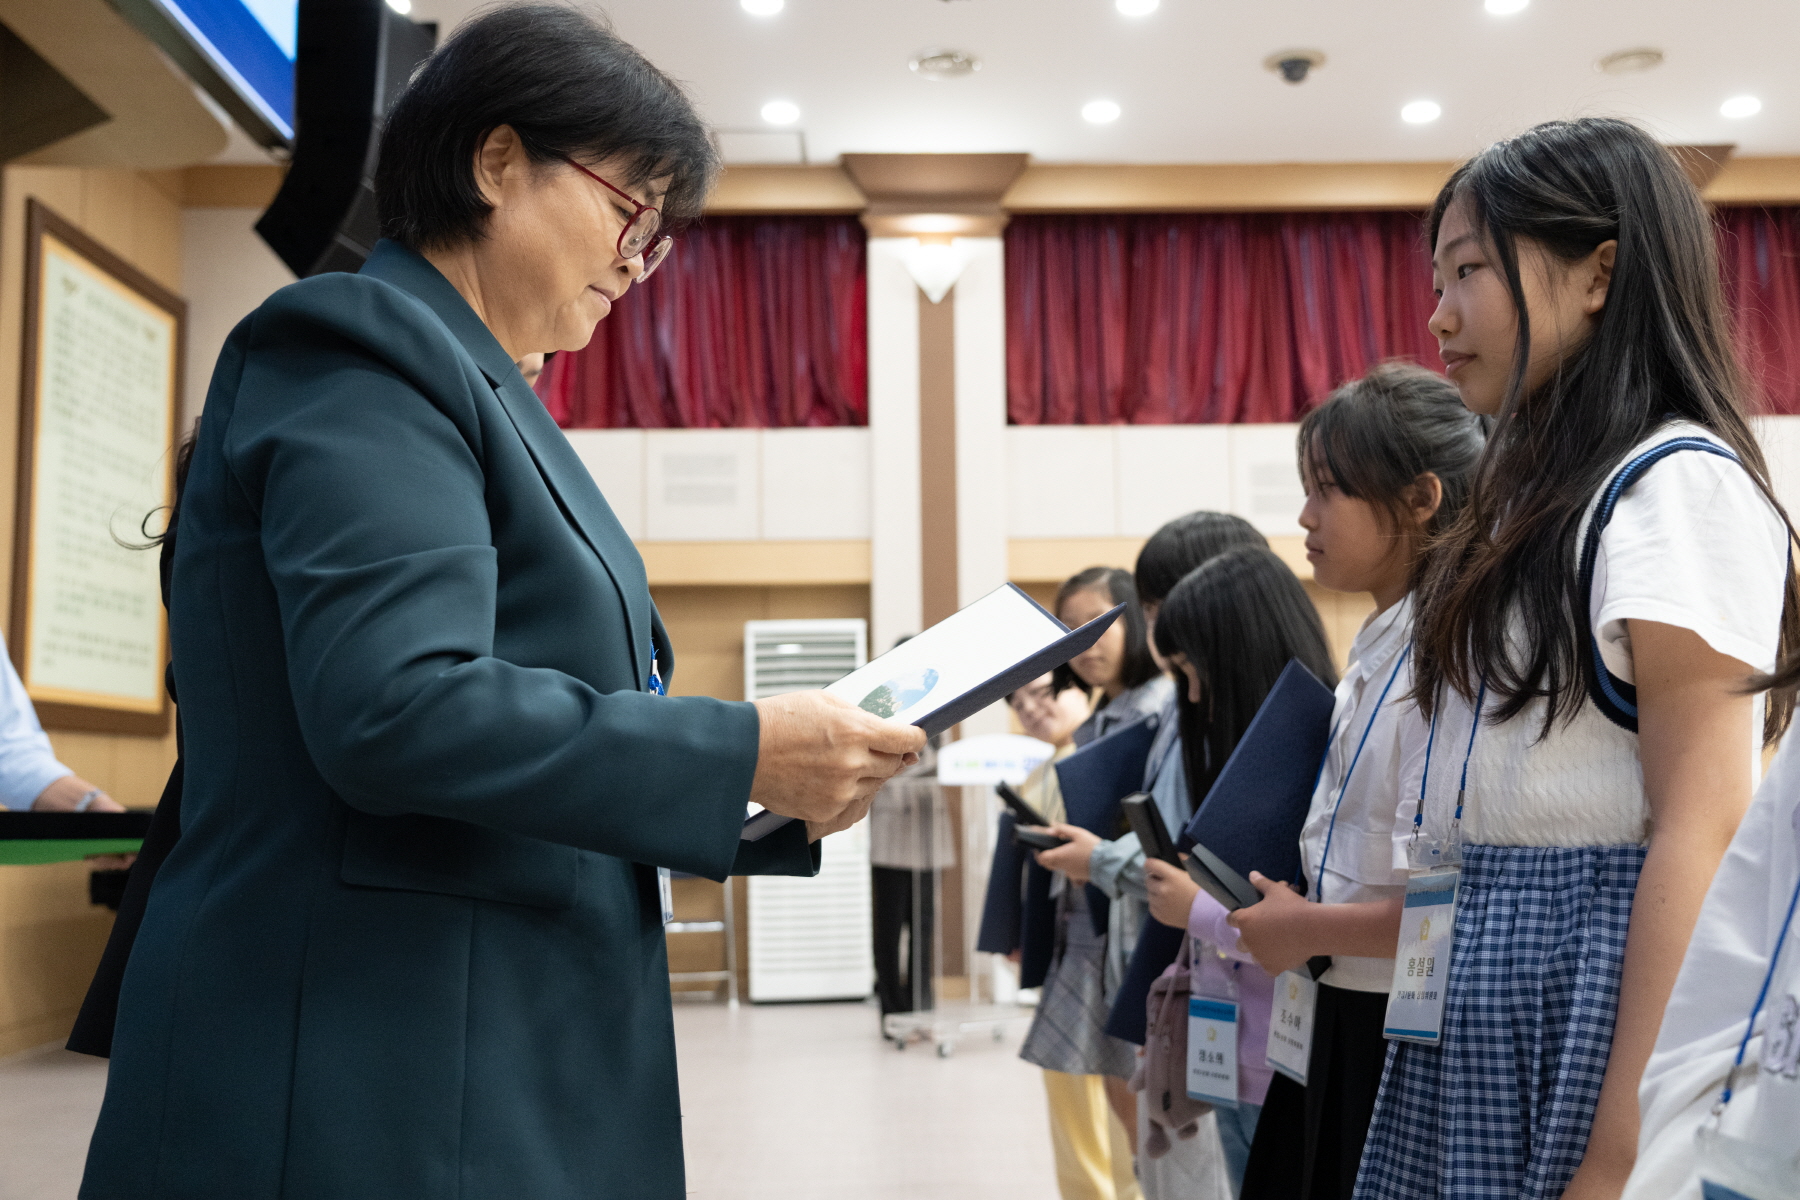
x: 1068, y: 1031
x: 1501, y: 1108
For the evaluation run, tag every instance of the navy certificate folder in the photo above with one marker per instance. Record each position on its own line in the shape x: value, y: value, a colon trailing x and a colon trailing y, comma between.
x: 1105, y: 771
x: 1251, y: 818
x: 1094, y: 780
x: 1000, y: 911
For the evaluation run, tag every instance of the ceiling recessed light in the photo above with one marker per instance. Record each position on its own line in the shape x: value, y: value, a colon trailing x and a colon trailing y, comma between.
x: 1100, y: 112
x: 1506, y: 8
x: 781, y: 112
x: 1137, y: 8
x: 1421, y: 112
x: 944, y: 64
x: 400, y: 6
x: 1740, y: 106
x: 762, y: 8
x: 1627, y: 62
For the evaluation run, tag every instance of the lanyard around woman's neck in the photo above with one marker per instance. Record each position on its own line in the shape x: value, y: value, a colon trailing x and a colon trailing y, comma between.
x: 1462, y: 787
x: 1344, y: 786
x: 1762, y: 994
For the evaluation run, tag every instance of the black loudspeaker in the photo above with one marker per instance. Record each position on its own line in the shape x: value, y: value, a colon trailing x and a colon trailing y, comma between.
x: 354, y: 59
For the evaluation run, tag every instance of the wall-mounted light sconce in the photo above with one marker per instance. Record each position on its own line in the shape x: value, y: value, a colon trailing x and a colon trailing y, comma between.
x: 935, y: 264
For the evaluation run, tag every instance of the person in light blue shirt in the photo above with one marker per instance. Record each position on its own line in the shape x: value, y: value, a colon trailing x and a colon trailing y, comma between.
x: 30, y: 775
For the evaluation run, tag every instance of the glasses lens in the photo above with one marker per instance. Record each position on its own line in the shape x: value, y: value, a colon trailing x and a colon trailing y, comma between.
x: 641, y: 232
x: 654, y: 258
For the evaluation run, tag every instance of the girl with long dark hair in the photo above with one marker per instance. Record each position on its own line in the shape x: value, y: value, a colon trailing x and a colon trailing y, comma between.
x: 1386, y: 463
x: 1229, y: 628
x: 1586, y: 634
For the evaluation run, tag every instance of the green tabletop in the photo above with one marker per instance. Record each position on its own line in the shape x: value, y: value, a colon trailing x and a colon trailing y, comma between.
x: 31, y: 852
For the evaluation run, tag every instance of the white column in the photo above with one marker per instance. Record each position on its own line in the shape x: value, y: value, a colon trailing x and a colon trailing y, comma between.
x: 894, y: 536
x: 981, y: 560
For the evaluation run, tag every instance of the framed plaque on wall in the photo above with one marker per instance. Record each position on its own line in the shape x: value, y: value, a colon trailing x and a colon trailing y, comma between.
x: 100, y: 388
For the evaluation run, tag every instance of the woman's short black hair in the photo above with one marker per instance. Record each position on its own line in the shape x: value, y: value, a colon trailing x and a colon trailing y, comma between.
x: 568, y: 86
x: 1183, y: 544
x: 1238, y: 620
x: 1138, y: 667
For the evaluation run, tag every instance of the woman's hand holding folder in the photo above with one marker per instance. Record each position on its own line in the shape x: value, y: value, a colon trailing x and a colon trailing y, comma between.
x: 821, y: 759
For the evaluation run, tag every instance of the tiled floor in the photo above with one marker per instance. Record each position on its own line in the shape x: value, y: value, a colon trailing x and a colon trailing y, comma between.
x: 796, y: 1102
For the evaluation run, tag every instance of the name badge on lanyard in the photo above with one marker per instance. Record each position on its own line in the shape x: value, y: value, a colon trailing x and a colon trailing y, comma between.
x: 1415, y: 1011
x: 1212, y: 1051
x: 1291, y: 1024
x: 1763, y: 1164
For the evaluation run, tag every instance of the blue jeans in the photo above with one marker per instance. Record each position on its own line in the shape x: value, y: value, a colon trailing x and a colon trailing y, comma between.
x: 1237, y: 1128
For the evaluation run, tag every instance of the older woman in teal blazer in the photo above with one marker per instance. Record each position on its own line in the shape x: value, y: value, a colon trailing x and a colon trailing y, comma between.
x: 409, y: 944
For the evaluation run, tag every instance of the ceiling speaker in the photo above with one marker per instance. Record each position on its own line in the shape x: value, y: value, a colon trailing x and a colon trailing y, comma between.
x: 354, y: 58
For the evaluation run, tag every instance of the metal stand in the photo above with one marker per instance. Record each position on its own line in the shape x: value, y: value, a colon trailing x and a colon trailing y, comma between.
x: 728, y: 927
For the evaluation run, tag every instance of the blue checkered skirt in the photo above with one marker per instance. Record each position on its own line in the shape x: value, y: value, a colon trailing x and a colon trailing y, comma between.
x: 1501, y: 1108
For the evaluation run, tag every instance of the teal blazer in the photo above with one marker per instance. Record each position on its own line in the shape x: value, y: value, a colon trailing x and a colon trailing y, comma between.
x: 409, y: 943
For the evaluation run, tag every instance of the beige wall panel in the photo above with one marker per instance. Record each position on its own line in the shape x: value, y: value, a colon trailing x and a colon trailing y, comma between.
x: 750, y: 564
x: 706, y: 625
x: 154, y: 232
x: 50, y: 939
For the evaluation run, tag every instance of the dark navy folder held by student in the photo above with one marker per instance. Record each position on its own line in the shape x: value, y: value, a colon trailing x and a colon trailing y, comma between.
x: 1094, y: 780
x: 1102, y: 773
x: 1251, y: 818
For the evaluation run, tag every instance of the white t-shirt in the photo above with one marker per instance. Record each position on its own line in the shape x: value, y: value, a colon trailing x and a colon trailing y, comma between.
x: 1366, y: 860
x: 1693, y: 543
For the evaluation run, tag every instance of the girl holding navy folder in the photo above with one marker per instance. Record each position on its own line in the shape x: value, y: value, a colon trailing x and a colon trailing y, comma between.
x: 1230, y: 628
x: 1585, y: 638
x: 1386, y: 463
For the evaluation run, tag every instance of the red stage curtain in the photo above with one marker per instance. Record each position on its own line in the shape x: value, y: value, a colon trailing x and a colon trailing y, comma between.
x: 1206, y: 318
x: 1759, y: 249
x: 1225, y: 318
x: 753, y: 322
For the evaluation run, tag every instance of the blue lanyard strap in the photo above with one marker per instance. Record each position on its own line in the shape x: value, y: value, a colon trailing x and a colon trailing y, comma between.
x: 1468, y: 752
x: 1761, y: 995
x: 1331, y: 829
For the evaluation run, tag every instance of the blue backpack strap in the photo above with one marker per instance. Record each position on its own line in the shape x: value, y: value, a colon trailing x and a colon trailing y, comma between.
x: 1616, y: 699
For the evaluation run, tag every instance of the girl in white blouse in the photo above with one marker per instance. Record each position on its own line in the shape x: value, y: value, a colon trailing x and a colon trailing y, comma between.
x: 1386, y: 462
x: 1584, y: 639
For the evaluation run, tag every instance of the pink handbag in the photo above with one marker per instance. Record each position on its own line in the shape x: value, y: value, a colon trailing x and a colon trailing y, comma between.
x: 1162, y: 1068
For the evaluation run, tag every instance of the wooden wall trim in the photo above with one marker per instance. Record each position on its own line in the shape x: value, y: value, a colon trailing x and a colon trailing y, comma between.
x: 246, y: 185
x: 762, y: 563
x: 1198, y: 187
x: 1756, y: 181
x: 786, y: 189
x: 1225, y: 187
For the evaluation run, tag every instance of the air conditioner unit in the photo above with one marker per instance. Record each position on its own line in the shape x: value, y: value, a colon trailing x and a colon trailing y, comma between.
x: 810, y: 939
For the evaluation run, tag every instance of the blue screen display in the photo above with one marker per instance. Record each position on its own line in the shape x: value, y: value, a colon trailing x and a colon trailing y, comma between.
x: 252, y: 43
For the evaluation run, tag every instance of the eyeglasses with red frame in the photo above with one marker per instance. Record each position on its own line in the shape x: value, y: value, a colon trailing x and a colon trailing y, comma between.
x: 642, y: 233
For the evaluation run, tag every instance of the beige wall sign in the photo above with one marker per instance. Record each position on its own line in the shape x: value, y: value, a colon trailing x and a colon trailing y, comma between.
x: 100, y: 393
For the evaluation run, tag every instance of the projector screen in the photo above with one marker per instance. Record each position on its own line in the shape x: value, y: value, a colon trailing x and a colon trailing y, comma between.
x: 240, y: 51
